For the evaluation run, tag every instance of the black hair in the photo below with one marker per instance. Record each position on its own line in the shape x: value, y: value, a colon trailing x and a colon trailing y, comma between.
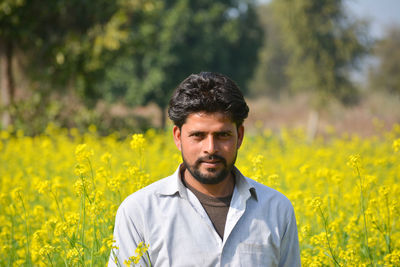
x: 207, y: 92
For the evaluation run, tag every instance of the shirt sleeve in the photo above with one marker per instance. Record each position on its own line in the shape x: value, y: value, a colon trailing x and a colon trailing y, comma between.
x: 127, y: 236
x: 289, y: 251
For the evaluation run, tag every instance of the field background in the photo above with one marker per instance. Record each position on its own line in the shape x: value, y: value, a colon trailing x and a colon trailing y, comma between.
x: 84, y: 89
x: 60, y: 191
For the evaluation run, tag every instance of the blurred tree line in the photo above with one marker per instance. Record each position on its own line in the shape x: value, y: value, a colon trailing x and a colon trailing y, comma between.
x: 132, y: 51
x: 59, y: 59
x: 385, y: 75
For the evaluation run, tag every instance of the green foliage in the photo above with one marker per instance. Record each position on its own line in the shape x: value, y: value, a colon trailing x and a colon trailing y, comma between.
x: 323, y: 45
x: 62, y: 44
x: 33, y: 115
x: 270, y: 77
x: 385, y: 76
x: 171, y: 39
x: 137, y: 51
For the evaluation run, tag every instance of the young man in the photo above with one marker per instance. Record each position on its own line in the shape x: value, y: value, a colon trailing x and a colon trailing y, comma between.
x: 207, y: 213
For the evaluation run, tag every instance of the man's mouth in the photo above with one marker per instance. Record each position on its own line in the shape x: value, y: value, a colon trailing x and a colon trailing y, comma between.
x: 211, y: 165
x: 211, y: 161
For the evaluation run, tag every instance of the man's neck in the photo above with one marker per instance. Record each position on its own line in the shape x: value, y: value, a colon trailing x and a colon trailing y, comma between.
x: 222, y: 189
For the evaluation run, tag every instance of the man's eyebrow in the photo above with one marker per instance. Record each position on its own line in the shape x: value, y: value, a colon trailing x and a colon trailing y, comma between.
x: 224, y: 131
x: 214, y: 133
x: 196, y: 132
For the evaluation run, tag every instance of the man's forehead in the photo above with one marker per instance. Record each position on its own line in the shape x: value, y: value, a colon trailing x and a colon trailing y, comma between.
x: 214, y: 116
x: 208, y: 120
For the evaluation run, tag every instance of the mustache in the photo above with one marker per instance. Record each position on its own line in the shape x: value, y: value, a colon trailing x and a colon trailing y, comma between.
x: 210, y: 157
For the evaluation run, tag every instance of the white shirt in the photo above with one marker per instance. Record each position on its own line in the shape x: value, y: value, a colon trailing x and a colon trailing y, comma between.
x: 260, y: 228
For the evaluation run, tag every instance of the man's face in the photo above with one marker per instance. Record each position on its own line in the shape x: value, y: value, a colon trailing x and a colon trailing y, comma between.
x: 208, y: 143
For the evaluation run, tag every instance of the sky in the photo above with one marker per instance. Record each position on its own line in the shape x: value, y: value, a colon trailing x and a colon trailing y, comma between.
x: 380, y: 13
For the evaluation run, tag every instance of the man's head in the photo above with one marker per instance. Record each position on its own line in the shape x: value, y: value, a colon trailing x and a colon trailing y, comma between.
x: 208, y: 110
x: 207, y: 92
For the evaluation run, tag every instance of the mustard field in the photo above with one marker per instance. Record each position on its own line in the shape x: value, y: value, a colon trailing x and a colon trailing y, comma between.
x: 59, y: 192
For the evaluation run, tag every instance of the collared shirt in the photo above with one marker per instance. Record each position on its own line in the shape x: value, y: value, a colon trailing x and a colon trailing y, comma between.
x: 260, y: 227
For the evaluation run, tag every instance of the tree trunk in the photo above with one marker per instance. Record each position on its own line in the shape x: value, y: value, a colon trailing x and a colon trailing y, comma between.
x: 6, y: 82
x: 312, y: 125
x: 163, y: 118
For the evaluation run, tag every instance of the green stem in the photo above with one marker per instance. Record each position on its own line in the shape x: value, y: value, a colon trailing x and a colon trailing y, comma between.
x: 50, y: 260
x: 28, y: 254
x: 91, y: 172
x: 115, y: 258
x: 12, y: 258
x: 83, y: 216
x: 93, y: 242
x: 83, y: 220
x: 58, y: 205
x: 148, y: 258
x: 363, y: 212
x: 327, y: 236
x: 388, y: 226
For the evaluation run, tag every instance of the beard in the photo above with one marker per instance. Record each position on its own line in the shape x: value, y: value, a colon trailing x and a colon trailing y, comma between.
x: 213, y: 176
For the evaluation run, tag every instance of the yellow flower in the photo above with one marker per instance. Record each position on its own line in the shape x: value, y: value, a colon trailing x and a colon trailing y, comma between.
x: 105, y: 158
x: 273, y: 180
x: 73, y: 254
x: 354, y: 161
x: 81, y: 185
x: 140, y: 250
x: 392, y: 259
x: 4, y: 134
x: 316, y: 203
x: 82, y: 153
x: 384, y: 191
x: 92, y: 128
x: 16, y: 193
x: 396, y: 145
x: 114, y: 183
x: 60, y: 224
x: 304, y: 169
x: 137, y: 141
x: 46, y: 250
x: 43, y: 187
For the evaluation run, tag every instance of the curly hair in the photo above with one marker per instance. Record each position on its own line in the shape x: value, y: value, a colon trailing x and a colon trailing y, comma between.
x: 207, y: 92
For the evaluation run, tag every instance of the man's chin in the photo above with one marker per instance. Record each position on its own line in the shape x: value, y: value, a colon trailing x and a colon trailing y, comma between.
x: 210, y: 173
x: 211, y: 176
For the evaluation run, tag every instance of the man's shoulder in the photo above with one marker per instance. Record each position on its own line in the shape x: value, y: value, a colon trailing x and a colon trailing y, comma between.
x: 148, y: 193
x: 266, y: 194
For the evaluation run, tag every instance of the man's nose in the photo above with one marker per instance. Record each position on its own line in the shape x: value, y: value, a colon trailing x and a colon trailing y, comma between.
x: 210, y: 145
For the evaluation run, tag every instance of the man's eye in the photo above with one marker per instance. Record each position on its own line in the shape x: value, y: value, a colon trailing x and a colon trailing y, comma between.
x: 223, y: 134
x: 196, y: 134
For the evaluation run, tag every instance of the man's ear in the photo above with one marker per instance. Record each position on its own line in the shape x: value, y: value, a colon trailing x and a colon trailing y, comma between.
x: 240, y: 131
x: 177, y: 136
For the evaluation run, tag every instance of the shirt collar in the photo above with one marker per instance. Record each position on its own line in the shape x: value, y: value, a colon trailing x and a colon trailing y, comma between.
x: 243, y: 186
x: 175, y: 185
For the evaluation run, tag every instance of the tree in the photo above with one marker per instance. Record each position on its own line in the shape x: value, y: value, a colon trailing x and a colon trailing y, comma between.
x: 169, y: 40
x: 385, y: 76
x: 55, y: 38
x: 323, y: 45
x: 270, y: 77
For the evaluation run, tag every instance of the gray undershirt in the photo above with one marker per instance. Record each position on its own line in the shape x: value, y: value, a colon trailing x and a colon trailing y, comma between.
x: 216, y: 208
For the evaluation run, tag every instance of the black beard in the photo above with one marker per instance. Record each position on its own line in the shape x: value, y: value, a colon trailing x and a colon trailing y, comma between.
x: 209, y: 179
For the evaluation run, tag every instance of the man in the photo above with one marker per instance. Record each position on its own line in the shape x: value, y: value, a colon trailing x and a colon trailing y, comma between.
x: 207, y: 213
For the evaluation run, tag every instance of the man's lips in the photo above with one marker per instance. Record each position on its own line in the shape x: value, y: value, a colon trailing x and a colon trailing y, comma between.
x: 210, y: 163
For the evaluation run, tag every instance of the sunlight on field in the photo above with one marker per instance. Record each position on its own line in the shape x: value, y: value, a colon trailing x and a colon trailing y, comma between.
x: 59, y: 192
